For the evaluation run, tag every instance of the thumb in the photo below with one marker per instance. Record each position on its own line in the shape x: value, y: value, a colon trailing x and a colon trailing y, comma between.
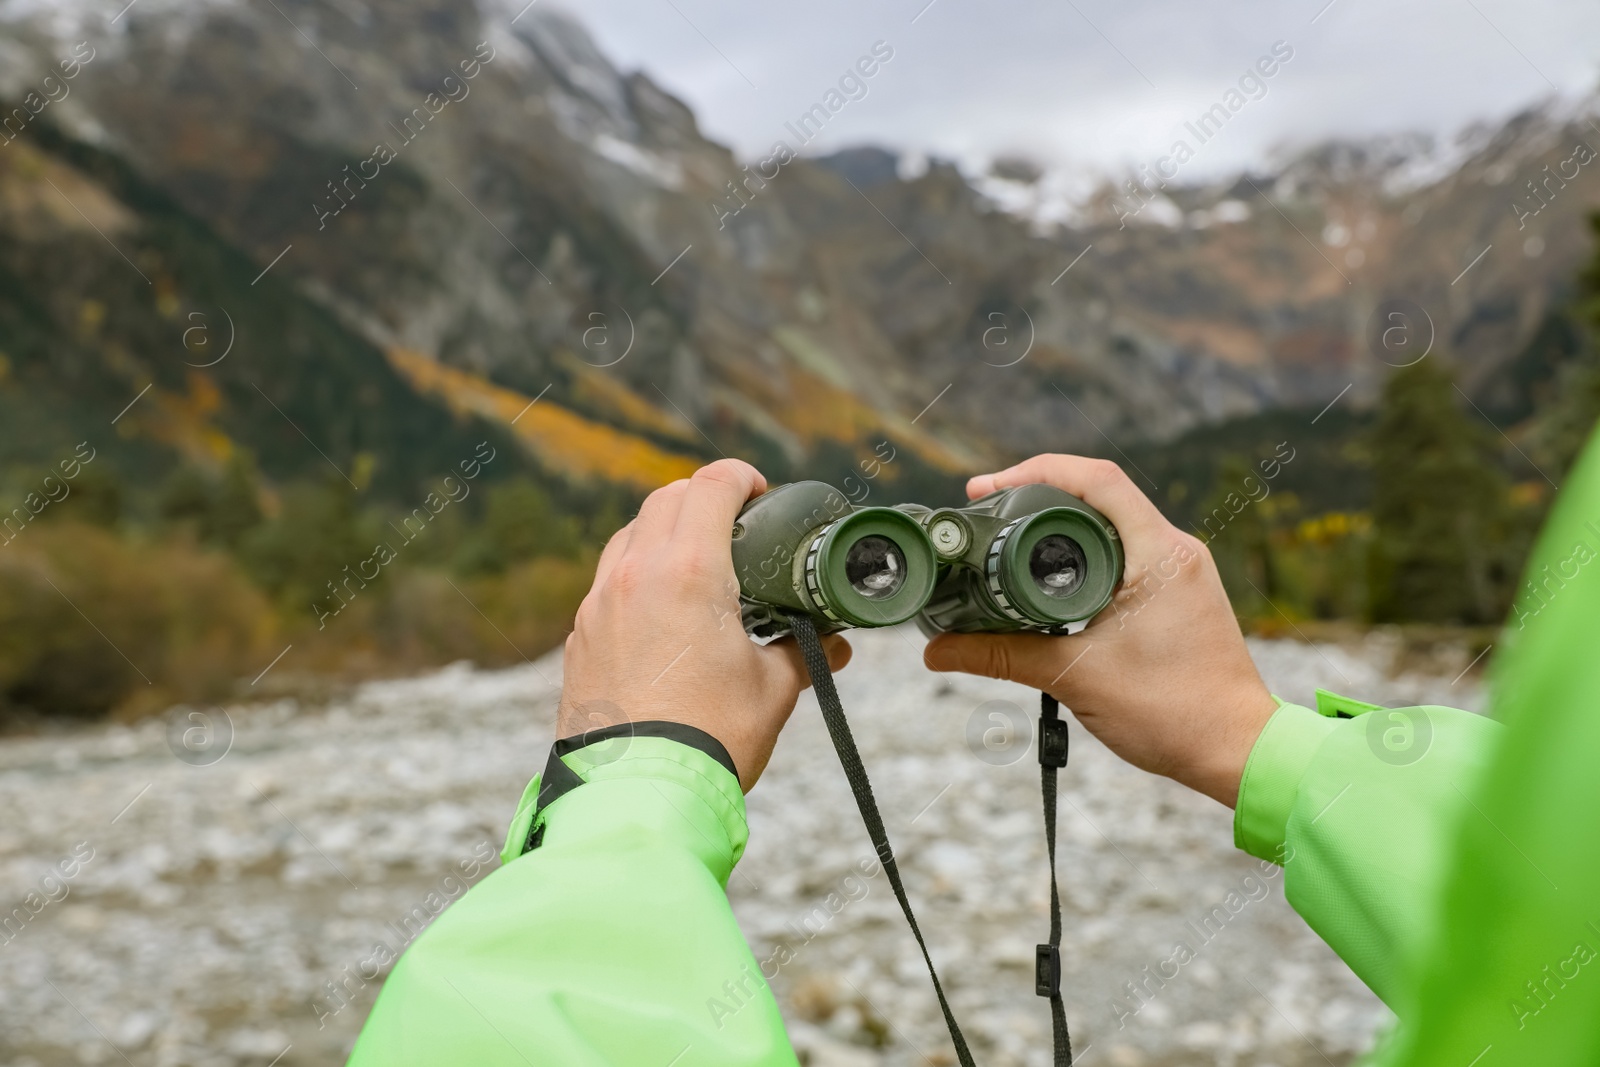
x: 1034, y: 660
x: 787, y: 661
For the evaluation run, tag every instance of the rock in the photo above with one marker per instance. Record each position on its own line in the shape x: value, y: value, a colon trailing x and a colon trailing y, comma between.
x: 205, y: 902
x: 816, y: 1049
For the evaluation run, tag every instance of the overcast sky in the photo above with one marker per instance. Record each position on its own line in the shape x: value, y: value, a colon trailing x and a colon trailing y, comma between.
x: 1097, y: 82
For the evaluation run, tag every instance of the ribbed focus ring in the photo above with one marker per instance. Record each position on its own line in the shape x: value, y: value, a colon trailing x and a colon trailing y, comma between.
x: 813, y: 587
x: 991, y: 569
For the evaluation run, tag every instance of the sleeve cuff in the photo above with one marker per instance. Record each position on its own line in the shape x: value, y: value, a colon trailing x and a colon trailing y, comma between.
x: 1271, y: 780
x: 521, y: 822
x: 663, y: 782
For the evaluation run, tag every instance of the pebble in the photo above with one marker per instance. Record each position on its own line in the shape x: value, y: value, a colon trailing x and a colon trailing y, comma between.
x: 221, y: 897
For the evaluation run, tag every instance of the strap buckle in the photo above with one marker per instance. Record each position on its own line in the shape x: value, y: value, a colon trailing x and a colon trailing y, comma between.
x: 1047, y: 971
x: 1052, y: 742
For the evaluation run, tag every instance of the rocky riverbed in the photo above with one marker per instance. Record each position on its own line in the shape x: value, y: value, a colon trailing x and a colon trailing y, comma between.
x: 191, y: 911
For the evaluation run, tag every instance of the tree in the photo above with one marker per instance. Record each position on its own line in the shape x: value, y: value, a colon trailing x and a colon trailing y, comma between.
x: 1442, y: 544
x: 1233, y: 522
x: 521, y: 522
x: 235, y: 506
x: 1571, y: 419
x: 221, y: 510
x: 304, y: 552
x: 185, y: 495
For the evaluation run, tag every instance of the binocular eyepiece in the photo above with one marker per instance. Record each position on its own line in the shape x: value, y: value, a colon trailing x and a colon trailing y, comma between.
x: 1030, y: 558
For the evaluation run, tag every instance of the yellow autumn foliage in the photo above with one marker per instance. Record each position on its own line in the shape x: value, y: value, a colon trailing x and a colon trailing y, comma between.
x: 563, y: 440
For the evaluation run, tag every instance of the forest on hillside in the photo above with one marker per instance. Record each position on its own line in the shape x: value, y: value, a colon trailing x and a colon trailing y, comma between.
x: 130, y: 586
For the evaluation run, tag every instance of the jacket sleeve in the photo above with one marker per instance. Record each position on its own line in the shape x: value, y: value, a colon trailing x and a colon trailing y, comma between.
x: 1512, y: 975
x: 1359, y: 803
x: 609, y: 941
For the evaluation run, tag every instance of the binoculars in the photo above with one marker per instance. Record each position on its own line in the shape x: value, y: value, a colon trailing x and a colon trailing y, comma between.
x: 1029, y: 558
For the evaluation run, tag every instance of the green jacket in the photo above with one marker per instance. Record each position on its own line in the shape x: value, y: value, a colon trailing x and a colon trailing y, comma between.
x: 1451, y: 860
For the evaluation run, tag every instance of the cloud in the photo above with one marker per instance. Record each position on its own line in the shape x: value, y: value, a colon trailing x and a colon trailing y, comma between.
x: 1107, y: 87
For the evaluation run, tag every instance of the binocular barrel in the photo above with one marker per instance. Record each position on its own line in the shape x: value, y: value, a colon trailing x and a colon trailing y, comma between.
x: 1029, y: 558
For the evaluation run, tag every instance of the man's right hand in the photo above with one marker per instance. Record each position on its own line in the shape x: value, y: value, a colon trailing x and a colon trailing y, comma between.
x: 659, y: 638
x: 1162, y: 676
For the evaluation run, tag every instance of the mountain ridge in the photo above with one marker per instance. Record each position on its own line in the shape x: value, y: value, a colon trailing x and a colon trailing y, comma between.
x: 552, y: 205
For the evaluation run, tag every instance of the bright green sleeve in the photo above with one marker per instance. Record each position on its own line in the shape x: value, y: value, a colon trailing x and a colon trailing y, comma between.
x: 609, y: 942
x: 1512, y: 976
x: 1462, y: 883
x: 1359, y: 804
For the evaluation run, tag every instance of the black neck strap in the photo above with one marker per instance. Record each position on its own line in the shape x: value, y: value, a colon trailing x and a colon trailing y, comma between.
x: 1047, y: 962
x: 1051, y: 738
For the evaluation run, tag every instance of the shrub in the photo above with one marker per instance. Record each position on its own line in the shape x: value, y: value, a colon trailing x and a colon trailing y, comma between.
x: 91, y: 624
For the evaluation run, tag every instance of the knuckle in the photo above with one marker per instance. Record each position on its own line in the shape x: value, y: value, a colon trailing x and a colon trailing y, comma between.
x: 618, y: 541
x: 1179, y: 554
x: 1105, y: 473
x: 1001, y: 662
x: 1051, y: 468
x: 628, y: 578
x: 732, y: 473
x: 1184, y: 547
x: 693, y: 569
x: 665, y: 493
x: 589, y: 608
x: 998, y: 659
x: 1050, y: 464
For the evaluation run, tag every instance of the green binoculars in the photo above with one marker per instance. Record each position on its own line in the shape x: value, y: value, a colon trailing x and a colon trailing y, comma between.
x: 1030, y: 558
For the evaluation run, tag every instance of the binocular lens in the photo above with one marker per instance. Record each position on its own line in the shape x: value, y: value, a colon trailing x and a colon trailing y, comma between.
x: 1057, y: 565
x: 875, y: 568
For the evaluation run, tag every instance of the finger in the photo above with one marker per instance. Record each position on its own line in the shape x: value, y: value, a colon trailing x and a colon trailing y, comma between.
x: 784, y: 654
x: 839, y: 652
x: 712, y: 502
x: 657, y: 516
x: 1035, y: 660
x: 1098, y: 482
x: 615, y: 547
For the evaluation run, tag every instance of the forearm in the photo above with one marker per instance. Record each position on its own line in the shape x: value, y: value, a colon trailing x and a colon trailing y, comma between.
x: 611, y: 941
x: 1361, y: 813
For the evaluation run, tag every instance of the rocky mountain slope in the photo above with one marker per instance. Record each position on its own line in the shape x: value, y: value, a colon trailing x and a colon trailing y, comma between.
x: 483, y: 198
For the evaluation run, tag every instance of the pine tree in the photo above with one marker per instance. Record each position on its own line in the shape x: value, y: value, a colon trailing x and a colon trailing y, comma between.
x: 1234, y: 526
x: 1439, y: 507
x: 1571, y: 420
x: 235, y: 507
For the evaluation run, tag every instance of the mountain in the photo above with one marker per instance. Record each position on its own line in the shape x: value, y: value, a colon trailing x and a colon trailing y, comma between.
x: 425, y: 215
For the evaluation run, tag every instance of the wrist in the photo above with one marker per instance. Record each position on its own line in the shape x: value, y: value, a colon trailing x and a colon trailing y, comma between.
x: 1219, y: 770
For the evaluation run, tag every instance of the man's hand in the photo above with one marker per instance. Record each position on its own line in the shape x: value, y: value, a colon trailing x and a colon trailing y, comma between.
x: 1162, y: 675
x: 659, y: 637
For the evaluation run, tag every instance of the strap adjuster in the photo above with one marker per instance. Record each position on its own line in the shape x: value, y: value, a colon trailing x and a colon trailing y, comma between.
x: 1047, y: 971
x: 1052, y: 742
